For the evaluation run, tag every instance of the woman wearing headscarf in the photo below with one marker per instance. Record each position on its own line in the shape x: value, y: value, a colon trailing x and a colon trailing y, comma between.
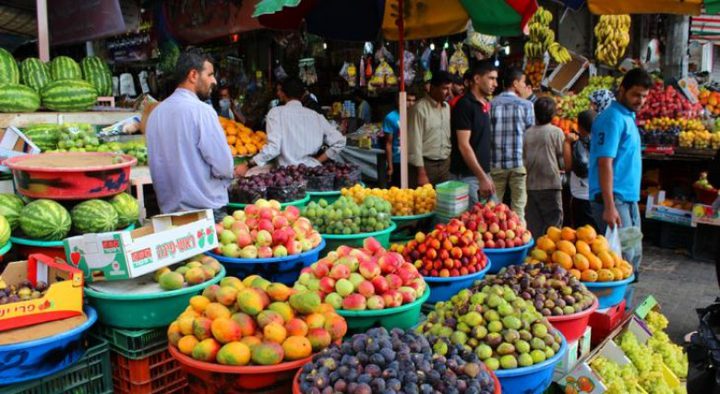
x: 601, y: 99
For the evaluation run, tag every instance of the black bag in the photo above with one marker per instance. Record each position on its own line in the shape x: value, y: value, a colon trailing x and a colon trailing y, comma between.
x: 704, y: 352
x: 581, y: 157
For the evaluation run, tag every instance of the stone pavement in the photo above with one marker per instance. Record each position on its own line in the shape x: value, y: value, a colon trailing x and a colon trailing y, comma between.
x: 679, y: 283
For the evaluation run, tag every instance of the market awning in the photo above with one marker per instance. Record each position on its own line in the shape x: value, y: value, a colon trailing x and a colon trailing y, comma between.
x: 614, y: 7
x: 705, y: 27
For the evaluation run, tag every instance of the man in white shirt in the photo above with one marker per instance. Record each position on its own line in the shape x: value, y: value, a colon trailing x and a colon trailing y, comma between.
x: 295, y: 134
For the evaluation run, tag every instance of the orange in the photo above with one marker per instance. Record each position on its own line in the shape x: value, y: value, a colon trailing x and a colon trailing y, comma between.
x: 566, y: 247
x: 546, y: 244
x: 576, y: 273
x: 567, y: 234
x: 589, y: 276
x: 606, y: 259
x: 581, y: 262
x: 553, y: 233
x: 605, y: 275
x: 563, y: 259
x: 594, y: 261
x: 586, y: 233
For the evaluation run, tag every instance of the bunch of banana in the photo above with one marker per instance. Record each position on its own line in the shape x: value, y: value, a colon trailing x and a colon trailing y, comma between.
x: 559, y: 53
x: 542, y: 16
x: 542, y: 37
x: 613, y: 36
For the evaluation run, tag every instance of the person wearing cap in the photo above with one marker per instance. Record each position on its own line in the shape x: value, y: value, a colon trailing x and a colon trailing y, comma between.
x: 429, y: 143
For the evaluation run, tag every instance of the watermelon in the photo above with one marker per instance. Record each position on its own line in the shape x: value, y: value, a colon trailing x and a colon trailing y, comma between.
x: 45, y: 136
x: 4, y: 231
x: 97, y: 72
x: 127, y: 208
x: 9, y: 72
x: 34, y: 73
x: 18, y: 98
x: 94, y: 216
x: 68, y: 95
x: 63, y: 67
x: 10, y: 207
x: 45, y: 220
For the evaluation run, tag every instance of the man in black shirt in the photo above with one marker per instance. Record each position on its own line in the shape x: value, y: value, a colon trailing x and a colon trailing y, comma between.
x: 471, y: 134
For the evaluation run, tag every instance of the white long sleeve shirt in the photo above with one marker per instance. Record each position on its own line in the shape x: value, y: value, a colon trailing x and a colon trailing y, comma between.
x: 295, y: 134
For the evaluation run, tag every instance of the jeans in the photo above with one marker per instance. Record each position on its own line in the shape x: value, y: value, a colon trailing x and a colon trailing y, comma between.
x: 629, y: 217
x: 544, y: 209
x: 474, y: 185
x: 515, y: 178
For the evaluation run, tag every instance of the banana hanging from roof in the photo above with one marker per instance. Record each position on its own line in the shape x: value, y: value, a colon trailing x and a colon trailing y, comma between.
x: 613, y: 36
x: 542, y: 38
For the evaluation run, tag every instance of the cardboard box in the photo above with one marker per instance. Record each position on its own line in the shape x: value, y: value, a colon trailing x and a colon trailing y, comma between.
x: 63, y: 298
x: 14, y: 143
x: 655, y: 210
x: 120, y: 255
x: 604, y: 321
x: 576, y: 351
x: 704, y: 214
x: 562, y: 79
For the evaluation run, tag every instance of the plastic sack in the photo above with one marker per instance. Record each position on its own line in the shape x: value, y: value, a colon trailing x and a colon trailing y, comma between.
x: 293, y: 192
x: 612, y: 234
x: 459, y: 62
x: 704, y: 352
x: 631, y: 244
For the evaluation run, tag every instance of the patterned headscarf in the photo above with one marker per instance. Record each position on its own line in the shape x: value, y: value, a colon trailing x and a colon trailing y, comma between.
x: 602, y: 99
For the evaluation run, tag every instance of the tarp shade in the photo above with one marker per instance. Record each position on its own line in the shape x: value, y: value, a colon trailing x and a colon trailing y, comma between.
x: 347, y: 20
x: 712, y: 6
x: 614, y: 7
x: 425, y: 19
x: 193, y: 23
x: 500, y: 17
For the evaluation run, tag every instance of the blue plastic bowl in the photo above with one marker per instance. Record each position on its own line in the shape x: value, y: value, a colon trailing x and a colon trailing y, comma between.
x: 534, y: 379
x: 276, y: 269
x: 501, y: 258
x: 609, y: 294
x: 444, y: 288
x: 35, y: 359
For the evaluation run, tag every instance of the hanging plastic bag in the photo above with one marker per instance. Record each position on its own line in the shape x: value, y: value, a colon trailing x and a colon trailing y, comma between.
x: 443, y: 60
x: 280, y: 73
x: 612, y: 234
x: 348, y: 73
x: 459, y: 62
x: 425, y: 58
x: 409, y: 69
x: 363, y: 79
x: 631, y: 244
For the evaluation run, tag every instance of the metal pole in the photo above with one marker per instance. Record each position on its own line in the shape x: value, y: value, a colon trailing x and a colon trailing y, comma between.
x: 402, y: 99
x: 43, y: 33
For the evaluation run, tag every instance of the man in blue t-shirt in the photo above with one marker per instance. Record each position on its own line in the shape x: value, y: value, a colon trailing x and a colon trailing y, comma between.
x: 391, y: 129
x: 615, y: 166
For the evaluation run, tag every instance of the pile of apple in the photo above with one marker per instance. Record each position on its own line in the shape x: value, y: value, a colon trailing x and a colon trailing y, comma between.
x: 363, y: 278
x: 666, y: 101
x: 449, y: 250
x: 262, y: 230
x: 499, y: 225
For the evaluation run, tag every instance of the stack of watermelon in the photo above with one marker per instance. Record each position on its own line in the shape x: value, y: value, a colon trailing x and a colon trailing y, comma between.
x: 62, y: 85
x: 48, y: 220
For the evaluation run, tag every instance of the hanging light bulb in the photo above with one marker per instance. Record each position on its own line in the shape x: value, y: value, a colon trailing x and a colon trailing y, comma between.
x: 324, y: 45
x: 447, y: 45
x: 432, y: 46
x: 507, y: 50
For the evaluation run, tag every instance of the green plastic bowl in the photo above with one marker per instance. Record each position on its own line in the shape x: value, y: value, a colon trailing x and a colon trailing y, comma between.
x: 329, y: 196
x: 297, y: 203
x: 407, y: 226
x: 144, y: 310
x: 404, y: 317
x: 333, y: 241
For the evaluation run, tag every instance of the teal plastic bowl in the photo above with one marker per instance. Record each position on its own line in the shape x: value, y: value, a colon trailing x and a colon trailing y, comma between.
x: 534, y: 379
x: 444, y: 288
x: 297, y: 203
x: 609, y: 294
x: 333, y: 241
x: 6, y: 248
x: 404, y: 317
x: 144, y: 310
x: 408, y: 226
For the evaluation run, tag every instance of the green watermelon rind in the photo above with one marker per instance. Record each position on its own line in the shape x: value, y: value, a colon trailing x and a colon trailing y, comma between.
x: 5, y: 230
x: 34, y: 73
x: 10, y: 207
x: 97, y: 72
x: 69, y: 95
x: 18, y: 98
x: 127, y: 208
x: 94, y: 216
x: 45, y: 220
x: 9, y: 72
x: 63, y: 67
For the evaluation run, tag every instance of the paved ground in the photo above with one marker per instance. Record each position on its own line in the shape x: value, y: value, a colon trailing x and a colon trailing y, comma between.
x: 679, y: 283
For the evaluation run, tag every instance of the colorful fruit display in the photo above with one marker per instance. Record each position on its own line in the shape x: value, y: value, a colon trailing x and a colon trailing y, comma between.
x: 357, y: 279
x: 449, y: 250
x: 97, y: 72
x: 241, y: 139
x: 586, y: 255
x: 665, y: 101
x: 197, y: 270
x: 499, y: 225
x: 262, y: 230
x: 392, y: 362
x: 502, y: 329
x: 34, y: 73
x: 570, y: 105
x: 18, y: 98
x: 68, y: 95
x: 64, y: 68
x: 405, y: 202
x: 22, y: 292
x: 9, y: 73
x: 552, y: 289
x: 346, y: 217
x: 613, y: 36
x: 255, y: 322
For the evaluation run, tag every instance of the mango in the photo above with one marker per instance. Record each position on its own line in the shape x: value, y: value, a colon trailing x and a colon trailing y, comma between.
x: 215, y: 310
x: 275, y: 332
x: 206, y: 350
x: 232, y: 282
x: 185, y: 323
x: 195, y: 276
x: 305, y: 303
x: 296, y: 347
x: 171, y: 281
x: 226, y: 295
x: 158, y: 273
x: 210, y: 292
x: 174, y: 333
x: 267, y: 353
x: 296, y: 327
x: 315, y: 320
x: 247, y: 324
x: 212, y: 263
x: 251, y: 341
x: 336, y: 326
x: 199, y: 303
x: 319, y: 339
x: 202, y: 328
x: 250, y: 301
x: 226, y: 330
x: 260, y: 283
x: 187, y: 344
x: 283, y: 309
x: 208, y: 271
x: 266, y: 317
x: 278, y: 292
x: 247, y: 282
x: 234, y: 353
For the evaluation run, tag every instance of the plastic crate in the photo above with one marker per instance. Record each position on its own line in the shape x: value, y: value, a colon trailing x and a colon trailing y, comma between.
x: 133, y: 344
x: 158, y: 373
x: 91, y: 375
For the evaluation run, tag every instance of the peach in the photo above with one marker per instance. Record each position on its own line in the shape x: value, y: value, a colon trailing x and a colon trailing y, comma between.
x: 366, y: 288
x: 375, y: 302
x: 394, y: 281
x: 372, y: 245
x: 392, y: 298
x: 340, y: 271
x: 354, y: 302
x: 380, y: 284
x: 369, y: 269
x: 327, y: 284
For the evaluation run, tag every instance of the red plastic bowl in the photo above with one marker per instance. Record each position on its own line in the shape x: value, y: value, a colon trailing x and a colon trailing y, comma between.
x: 573, y: 326
x: 226, y: 378
x: 296, y: 383
x: 79, y: 182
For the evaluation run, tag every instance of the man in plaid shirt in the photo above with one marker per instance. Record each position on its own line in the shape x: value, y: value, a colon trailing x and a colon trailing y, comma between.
x: 510, y: 115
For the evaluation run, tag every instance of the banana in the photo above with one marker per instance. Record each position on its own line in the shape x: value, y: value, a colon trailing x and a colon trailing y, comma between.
x: 613, y: 36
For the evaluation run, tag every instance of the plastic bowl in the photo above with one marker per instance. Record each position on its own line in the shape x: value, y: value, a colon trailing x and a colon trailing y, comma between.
x: 444, y: 288
x: 356, y: 240
x: 609, y: 294
x: 329, y: 196
x: 407, y: 226
x: 6, y: 248
x: 144, y: 310
x: 53, y: 249
x: 225, y: 378
x: 534, y: 379
x: 296, y: 383
x: 71, y: 183
x: 45, y: 356
x: 404, y: 316
x: 573, y: 326
x: 277, y: 269
x: 297, y: 203
x: 507, y: 256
